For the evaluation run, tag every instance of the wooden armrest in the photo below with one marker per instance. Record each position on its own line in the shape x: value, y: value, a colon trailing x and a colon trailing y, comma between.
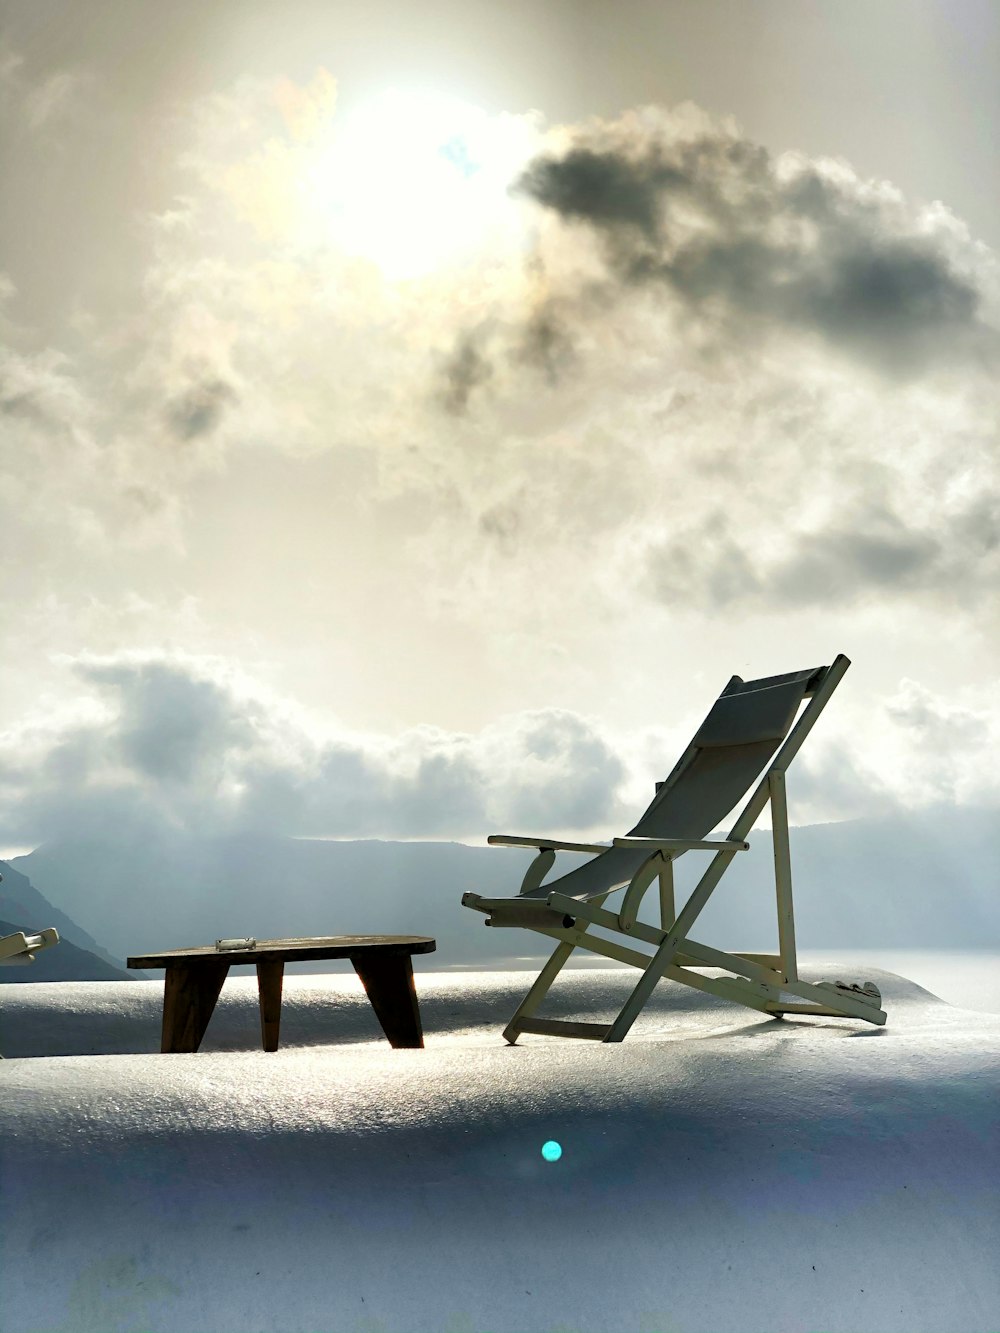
x: 683, y: 844
x: 545, y: 844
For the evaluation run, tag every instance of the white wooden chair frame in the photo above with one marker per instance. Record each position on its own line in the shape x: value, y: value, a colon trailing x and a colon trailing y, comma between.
x: 768, y: 983
x: 21, y: 947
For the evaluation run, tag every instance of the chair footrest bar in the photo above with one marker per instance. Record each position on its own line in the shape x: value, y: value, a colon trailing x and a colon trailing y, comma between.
x: 872, y: 1015
x: 558, y: 1027
x: 820, y: 1010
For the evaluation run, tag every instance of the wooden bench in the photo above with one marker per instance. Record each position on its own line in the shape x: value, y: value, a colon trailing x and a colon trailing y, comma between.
x: 194, y: 979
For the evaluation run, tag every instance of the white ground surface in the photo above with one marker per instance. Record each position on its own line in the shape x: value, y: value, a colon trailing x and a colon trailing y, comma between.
x: 720, y: 1171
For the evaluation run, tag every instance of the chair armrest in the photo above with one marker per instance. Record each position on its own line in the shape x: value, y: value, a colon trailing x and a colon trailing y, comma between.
x: 23, y: 945
x: 12, y: 945
x: 546, y: 844
x: 683, y: 844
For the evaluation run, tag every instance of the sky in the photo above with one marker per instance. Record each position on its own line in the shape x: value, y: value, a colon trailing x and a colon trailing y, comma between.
x: 408, y: 425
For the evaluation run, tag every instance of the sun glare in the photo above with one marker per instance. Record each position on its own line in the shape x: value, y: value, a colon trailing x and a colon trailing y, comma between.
x: 414, y: 181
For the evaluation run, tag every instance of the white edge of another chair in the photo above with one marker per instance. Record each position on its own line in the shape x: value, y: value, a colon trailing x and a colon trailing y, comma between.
x: 20, y: 947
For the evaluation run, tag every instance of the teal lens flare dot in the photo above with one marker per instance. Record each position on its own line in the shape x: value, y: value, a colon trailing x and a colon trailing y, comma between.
x: 551, y: 1151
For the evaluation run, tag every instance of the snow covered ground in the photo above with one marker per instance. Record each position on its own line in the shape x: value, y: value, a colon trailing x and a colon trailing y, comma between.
x: 719, y: 1171
x: 967, y: 978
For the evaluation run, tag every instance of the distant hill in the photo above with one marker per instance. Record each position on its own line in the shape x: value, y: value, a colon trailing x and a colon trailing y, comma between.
x: 913, y: 881
x: 23, y: 905
x: 177, y: 891
x: 64, y: 961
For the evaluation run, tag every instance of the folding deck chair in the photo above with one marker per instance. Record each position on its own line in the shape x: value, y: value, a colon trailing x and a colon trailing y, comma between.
x: 751, y: 725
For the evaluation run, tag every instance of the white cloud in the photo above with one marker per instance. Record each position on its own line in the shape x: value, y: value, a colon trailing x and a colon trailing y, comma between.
x: 195, y: 745
x: 759, y: 376
x: 749, y: 417
x: 718, y: 374
x: 947, y: 747
x: 912, y: 749
x: 192, y: 744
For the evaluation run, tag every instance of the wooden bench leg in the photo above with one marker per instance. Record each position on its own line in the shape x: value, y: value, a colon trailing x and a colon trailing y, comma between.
x: 388, y: 983
x: 269, y: 978
x: 190, y: 991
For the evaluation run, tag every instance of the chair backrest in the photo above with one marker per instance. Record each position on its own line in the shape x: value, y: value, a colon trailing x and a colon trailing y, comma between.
x: 741, y: 734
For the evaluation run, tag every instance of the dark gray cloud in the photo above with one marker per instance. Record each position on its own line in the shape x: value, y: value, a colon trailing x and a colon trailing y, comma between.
x: 172, y: 725
x: 38, y: 390
x: 198, y: 411
x: 859, y: 556
x: 566, y: 746
x: 747, y: 244
x: 502, y: 523
x: 605, y: 189
x: 544, y: 342
x: 843, y: 562
x: 24, y: 404
x: 707, y: 565
x: 466, y: 369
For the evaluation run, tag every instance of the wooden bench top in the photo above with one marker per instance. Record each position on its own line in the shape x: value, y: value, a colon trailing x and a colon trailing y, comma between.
x: 304, y: 949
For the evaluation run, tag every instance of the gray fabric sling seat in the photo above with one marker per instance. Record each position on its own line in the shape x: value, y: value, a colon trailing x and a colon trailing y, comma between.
x: 729, y: 751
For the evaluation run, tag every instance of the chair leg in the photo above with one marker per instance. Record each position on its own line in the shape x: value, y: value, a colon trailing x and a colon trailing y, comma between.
x: 538, y: 990
x: 644, y: 988
x: 783, y: 876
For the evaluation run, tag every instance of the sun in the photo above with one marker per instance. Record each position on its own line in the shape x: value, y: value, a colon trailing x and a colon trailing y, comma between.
x: 415, y: 180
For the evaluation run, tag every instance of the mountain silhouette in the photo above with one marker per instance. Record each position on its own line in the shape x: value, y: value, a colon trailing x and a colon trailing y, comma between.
x: 926, y: 880
x: 64, y: 961
x: 77, y: 956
